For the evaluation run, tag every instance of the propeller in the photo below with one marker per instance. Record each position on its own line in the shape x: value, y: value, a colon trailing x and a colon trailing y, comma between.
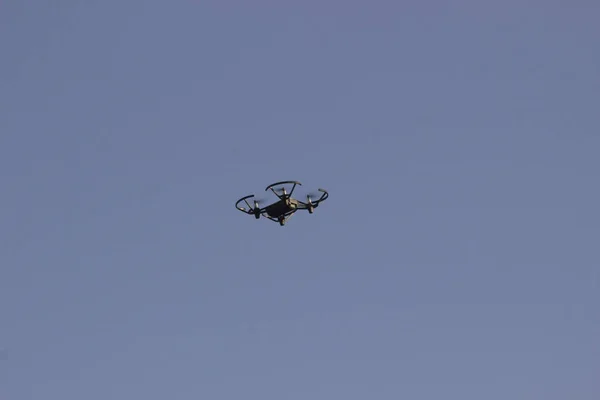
x: 259, y: 201
x: 313, y: 196
x: 281, y: 191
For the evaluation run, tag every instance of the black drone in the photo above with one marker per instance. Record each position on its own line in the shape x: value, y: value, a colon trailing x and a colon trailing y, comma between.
x: 285, y: 207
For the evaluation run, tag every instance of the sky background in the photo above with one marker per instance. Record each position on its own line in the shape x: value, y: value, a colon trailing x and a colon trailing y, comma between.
x: 457, y: 256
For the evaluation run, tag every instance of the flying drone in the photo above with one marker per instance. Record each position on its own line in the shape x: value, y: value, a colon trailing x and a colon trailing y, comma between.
x: 284, y: 207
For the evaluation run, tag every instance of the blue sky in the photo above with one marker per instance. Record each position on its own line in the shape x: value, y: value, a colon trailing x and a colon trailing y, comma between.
x: 457, y: 256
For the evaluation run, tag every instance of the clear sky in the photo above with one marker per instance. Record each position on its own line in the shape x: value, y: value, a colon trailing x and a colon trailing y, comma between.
x: 457, y: 256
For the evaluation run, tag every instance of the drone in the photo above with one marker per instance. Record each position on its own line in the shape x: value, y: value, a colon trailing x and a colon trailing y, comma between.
x: 284, y: 207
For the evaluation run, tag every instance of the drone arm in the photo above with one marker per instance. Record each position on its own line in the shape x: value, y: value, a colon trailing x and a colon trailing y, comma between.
x: 289, y: 216
x: 285, y: 217
x: 267, y: 216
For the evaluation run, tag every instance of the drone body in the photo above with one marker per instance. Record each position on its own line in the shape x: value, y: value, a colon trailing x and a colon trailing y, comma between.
x: 284, y: 207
